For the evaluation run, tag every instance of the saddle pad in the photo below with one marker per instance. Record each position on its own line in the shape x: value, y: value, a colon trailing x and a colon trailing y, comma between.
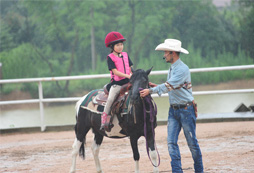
x: 90, y: 97
x: 87, y: 103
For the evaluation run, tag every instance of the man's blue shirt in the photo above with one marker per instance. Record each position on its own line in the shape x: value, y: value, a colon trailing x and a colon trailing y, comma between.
x: 178, y: 74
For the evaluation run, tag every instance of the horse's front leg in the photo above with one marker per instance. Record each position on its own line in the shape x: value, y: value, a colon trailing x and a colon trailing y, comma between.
x: 153, y: 153
x: 134, y: 146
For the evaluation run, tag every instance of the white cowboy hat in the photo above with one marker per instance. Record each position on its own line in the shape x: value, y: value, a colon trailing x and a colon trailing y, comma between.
x: 172, y: 45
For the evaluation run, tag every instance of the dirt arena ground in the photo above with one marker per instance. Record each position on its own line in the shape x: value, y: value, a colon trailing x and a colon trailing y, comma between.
x: 226, y: 147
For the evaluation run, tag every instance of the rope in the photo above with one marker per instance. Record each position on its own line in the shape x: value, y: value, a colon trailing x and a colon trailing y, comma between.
x: 153, y: 112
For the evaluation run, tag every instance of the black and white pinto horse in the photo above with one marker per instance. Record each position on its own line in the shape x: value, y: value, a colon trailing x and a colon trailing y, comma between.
x: 134, y: 124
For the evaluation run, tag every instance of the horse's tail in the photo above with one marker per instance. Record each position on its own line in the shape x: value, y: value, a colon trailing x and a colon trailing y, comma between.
x: 82, y: 151
x: 82, y: 147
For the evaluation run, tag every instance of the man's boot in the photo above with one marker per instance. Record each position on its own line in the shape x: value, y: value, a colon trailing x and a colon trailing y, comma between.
x: 103, y: 120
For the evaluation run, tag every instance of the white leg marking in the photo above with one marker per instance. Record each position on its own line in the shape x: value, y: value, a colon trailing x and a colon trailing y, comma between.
x: 136, y: 166
x: 95, y: 150
x: 153, y: 155
x: 76, y: 146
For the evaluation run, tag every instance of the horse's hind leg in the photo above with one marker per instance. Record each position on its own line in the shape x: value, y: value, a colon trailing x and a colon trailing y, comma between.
x: 76, y: 146
x: 81, y: 129
x: 95, y: 150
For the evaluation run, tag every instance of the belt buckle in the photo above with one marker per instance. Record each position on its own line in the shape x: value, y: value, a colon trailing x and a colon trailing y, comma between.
x: 187, y: 105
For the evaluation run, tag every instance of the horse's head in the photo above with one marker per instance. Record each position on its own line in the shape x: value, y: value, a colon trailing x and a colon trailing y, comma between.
x: 139, y: 79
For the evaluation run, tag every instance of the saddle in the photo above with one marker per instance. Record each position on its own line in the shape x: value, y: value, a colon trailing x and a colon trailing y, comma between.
x: 118, y: 107
x: 102, y: 97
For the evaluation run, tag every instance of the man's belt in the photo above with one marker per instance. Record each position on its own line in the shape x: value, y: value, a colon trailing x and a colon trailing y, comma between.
x: 181, y: 106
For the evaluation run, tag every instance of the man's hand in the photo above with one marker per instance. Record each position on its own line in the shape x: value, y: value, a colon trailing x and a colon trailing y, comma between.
x: 144, y: 92
x: 152, y: 84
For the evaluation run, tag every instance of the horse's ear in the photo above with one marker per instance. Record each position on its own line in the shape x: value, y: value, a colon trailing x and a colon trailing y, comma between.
x: 148, y: 71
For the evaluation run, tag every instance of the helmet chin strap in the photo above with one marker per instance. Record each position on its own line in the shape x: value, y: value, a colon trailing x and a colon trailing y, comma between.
x: 113, y: 48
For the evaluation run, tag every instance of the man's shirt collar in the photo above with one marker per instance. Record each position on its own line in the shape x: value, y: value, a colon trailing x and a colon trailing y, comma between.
x: 176, y: 63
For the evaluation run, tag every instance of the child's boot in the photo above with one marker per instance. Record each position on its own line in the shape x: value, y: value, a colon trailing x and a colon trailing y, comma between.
x: 103, y: 120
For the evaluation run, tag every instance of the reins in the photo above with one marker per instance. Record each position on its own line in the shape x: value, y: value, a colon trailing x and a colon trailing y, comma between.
x: 153, y: 112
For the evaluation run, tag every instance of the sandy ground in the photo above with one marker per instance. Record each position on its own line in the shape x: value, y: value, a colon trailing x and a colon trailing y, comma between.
x: 226, y: 147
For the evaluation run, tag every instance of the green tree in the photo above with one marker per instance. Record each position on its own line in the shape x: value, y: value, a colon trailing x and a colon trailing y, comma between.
x: 67, y: 37
x: 247, y: 26
x: 15, y: 29
x: 200, y: 23
x: 63, y: 32
x: 143, y: 25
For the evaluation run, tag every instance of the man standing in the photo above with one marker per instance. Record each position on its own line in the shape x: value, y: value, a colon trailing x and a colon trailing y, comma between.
x: 182, y: 112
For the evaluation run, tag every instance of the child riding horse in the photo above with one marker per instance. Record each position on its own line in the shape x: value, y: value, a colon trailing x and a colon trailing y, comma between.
x: 139, y: 120
x: 119, y: 65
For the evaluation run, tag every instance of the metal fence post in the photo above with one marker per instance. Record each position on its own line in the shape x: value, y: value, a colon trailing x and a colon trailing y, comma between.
x: 43, y: 127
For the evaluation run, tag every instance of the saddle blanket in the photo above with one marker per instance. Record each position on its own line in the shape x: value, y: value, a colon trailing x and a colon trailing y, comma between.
x: 87, y: 103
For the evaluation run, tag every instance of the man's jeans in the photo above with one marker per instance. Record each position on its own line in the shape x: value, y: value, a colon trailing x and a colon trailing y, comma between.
x: 177, y: 119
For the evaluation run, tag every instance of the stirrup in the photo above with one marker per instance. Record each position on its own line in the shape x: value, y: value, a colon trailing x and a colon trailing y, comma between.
x: 108, y: 127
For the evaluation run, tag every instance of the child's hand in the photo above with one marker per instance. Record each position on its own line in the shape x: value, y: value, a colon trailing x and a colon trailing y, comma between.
x: 130, y: 75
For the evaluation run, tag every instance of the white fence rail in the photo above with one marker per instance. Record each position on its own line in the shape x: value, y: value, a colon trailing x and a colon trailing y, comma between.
x: 42, y: 100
